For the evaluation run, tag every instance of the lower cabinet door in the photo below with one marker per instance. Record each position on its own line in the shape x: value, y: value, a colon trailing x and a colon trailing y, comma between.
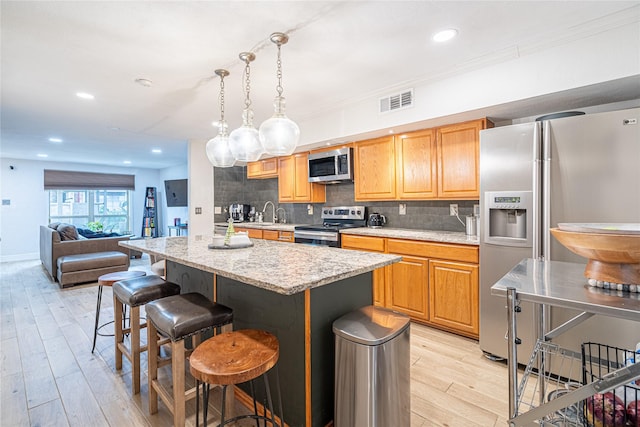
x: 453, y: 296
x: 407, y: 285
x: 378, y: 286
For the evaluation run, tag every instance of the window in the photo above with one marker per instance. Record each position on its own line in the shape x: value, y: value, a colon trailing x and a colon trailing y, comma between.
x: 81, y: 207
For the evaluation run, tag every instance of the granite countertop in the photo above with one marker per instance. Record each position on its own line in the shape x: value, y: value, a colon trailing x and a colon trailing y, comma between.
x: 410, y: 234
x: 280, y: 267
x: 261, y: 225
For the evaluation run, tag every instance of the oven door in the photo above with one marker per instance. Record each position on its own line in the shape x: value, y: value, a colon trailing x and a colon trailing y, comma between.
x: 318, y: 238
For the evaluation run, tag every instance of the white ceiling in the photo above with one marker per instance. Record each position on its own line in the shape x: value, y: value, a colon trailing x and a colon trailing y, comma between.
x: 339, y: 52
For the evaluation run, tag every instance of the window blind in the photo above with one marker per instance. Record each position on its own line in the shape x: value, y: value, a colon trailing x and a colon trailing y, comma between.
x: 72, y: 180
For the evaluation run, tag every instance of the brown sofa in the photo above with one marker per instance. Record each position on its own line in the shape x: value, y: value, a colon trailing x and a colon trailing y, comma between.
x: 87, y: 259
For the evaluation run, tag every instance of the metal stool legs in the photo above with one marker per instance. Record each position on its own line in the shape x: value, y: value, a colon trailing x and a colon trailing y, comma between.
x: 269, y: 404
x: 96, y: 328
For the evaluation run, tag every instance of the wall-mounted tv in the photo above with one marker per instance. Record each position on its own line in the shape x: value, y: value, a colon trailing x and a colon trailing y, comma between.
x: 177, y: 192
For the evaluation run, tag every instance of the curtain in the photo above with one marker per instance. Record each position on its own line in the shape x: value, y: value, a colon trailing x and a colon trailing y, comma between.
x: 71, y: 180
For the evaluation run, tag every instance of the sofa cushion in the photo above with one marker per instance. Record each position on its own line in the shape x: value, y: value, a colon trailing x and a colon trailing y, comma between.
x: 90, y: 261
x: 67, y: 232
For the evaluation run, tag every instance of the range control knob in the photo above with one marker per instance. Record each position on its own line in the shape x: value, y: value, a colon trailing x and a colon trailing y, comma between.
x: 353, y: 212
x: 330, y: 212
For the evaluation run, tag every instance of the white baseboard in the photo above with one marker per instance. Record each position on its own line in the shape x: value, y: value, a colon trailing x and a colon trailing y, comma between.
x: 20, y: 257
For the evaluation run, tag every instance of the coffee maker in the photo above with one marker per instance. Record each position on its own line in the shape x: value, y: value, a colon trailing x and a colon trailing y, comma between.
x: 239, y: 212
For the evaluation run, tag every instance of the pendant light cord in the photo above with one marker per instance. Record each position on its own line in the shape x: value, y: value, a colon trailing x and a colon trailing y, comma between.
x: 279, y: 88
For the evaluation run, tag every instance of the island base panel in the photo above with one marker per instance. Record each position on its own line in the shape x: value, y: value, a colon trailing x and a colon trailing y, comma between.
x: 285, y: 317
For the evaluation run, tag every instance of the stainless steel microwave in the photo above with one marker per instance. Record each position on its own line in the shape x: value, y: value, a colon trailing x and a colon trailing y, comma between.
x: 331, y: 167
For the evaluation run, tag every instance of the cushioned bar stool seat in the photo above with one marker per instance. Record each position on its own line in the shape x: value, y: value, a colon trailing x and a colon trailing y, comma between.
x: 134, y: 293
x: 108, y: 280
x: 179, y: 317
x: 233, y: 358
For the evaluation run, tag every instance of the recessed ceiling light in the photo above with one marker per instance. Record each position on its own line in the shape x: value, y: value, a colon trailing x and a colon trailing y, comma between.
x: 84, y: 95
x: 144, y: 82
x: 54, y: 139
x: 42, y: 155
x: 156, y: 150
x: 127, y: 162
x: 444, y: 35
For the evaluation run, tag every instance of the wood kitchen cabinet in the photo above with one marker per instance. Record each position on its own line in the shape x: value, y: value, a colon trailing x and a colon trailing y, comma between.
x: 453, y: 296
x: 370, y: 244
x: 282, y: 236
x: 416, y: 166
x: 374, y: 169
x: 458, y: 160
x: 440, y: 163
x: 407, y: 287
x: 251, y: 232
x: 435, y: 283
x: 267, y: 168
x: 293, y: 181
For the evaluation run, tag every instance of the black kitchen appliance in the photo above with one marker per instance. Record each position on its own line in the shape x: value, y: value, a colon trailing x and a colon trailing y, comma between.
x: 334, y: 220
x: 239, y: 212
x: 377, y: 220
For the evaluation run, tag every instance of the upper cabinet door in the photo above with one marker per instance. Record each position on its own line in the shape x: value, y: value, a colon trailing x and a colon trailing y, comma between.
x: 267, y: 168
x: 293, y: 181
x: 416, y: 165
x: 374, y: 169
x: 459, y: 160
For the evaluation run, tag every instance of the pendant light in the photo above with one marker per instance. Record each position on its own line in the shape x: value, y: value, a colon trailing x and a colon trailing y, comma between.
x: 244, y: 141
x: 217, y: 148
x: 279, y: 134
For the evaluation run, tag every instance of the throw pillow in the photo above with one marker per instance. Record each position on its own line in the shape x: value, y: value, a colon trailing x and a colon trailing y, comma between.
x: 54, y: 225
x: 67, y: 232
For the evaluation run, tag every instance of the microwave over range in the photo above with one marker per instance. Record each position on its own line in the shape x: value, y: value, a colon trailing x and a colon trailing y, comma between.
x: 331, y: 167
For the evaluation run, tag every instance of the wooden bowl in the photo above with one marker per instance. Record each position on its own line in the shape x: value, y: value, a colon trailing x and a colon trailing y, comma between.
x: 612, y: 257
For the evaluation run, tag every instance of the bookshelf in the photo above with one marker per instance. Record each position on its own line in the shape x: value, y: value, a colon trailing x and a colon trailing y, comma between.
x: 150, y: 214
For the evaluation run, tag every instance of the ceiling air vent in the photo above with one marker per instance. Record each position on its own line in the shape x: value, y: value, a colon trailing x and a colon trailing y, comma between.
x: 397, y: 101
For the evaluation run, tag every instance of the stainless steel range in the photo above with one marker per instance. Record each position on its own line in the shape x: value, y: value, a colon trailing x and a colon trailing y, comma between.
x: 334, y: 219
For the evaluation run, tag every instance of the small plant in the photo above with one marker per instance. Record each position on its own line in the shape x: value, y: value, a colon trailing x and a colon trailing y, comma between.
x: 95, y: 226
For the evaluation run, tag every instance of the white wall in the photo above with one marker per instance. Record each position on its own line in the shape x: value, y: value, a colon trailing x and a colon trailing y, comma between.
x: 28, y: 209
x: 524, y: 74
x: 166, y: 214
x: 200, y: 190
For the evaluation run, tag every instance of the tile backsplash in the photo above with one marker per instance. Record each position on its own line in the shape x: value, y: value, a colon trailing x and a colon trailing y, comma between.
x: 232, y: 186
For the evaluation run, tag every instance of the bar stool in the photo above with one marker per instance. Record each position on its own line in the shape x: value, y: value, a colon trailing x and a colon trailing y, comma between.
x: 179, y: 317
x: 108, y: 280
x: 134, y: 293
x: 233, y: 358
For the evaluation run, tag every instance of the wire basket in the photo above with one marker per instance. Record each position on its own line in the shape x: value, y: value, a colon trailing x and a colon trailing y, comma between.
x: 619, y: 407
x: 551, y: 372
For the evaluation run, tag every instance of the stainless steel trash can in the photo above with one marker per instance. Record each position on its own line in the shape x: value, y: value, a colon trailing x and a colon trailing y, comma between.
x: 372, y: 369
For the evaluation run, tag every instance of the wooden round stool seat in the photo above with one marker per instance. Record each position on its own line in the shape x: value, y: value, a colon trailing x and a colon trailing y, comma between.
x: 108, y: 280
x: 234, y: 357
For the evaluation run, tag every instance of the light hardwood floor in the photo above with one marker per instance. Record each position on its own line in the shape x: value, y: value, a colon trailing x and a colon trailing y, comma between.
x: 51, y: 378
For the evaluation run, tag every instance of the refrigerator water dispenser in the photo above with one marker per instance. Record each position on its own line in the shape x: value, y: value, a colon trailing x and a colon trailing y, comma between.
x: 508, y: 216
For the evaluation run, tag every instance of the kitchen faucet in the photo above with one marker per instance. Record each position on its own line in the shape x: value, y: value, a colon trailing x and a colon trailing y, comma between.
x: 264, y: 210
x: 284, y: 215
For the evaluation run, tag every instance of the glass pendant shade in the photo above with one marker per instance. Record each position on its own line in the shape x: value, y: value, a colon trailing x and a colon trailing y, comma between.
x: 244, y: 141
x: 218, y: 150
x: 279, y: 135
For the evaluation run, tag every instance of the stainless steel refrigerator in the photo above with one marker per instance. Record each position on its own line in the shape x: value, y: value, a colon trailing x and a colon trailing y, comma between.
x: 584, y: 168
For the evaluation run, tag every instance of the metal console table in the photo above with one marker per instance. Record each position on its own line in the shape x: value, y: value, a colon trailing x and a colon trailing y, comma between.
x: 559, y: 284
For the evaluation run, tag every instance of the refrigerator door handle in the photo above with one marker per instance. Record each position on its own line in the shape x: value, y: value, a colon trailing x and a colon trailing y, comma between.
x: 546, y: 191
x: 535, y: 185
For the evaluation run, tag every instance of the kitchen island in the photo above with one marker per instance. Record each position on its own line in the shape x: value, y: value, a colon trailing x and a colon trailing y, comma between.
x: 293, y: 291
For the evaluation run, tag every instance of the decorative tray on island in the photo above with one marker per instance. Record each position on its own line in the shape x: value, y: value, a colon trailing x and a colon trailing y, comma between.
x: 235, y: 241
x: 230, y: 246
